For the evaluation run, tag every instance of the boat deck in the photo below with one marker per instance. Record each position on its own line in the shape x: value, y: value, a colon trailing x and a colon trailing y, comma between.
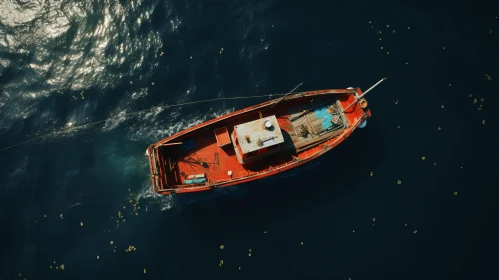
x: 200, y: 153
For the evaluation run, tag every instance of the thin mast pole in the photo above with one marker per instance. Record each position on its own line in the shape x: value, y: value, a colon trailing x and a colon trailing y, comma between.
x: 286, y: 95
x: 357, y: 98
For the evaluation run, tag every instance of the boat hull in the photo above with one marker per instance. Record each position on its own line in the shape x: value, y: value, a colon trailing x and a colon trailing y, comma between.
x: 169, y: 164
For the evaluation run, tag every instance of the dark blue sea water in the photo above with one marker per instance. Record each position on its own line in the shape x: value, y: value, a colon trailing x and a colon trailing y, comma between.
x: 344, y: 216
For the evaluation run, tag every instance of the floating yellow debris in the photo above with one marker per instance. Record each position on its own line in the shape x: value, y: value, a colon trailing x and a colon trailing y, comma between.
x: 152, y: 84
x: 145, y: 271
x: 399, y: 182
x: 112, y: 242
x: 475, y: 101
x: 61, y: 216
x: 62, y: 266
x: 439, y: 128
x: 488, y: 77
x: 98, y: 257
x: 249, y: 254
x: 483, y: 122
x: 161, y: 54
x: 82, y: 97
x: 221, y: 263
x: 372, y: 173
x: 442, y: 106
x: 398, y: 126
x: 191, y: 57
x: 415, y: 231
x: 222, y: 247
x: 423, y: 158
x: 481, y: 99
x: 455, y: 193
x: 81, y: 224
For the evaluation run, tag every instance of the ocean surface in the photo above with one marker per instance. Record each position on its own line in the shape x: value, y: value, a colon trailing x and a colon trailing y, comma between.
x: 414, y: 195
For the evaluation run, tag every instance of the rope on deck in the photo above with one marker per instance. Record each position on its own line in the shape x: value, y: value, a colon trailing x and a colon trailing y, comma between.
x: 134, y: 114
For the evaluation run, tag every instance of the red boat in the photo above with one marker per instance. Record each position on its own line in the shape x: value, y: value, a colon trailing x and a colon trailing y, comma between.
x: 256, y: 142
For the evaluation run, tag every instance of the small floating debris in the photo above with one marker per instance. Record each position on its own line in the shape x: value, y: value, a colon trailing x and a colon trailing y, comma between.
x: 62, y: 266
x: 50, y: 267
x: 112, y: 242
x: 488, y: 77
x: 82, y: 97
x: 423, y: 158
x: 387, y: 25
x: 405, y: 225
x: 145, y: 271
x: 131, y: 248
x: 398, y: 126
x: 152, y: 84
x: 374, y: 219
x: 131, y: 82
x: 239, y: 268
x: 396, y: 102
x: 222, y: 247
x: 161, y: 54
x: 387, y: 52
x: 444, y: 48
x: 483, y: 121
x: 221, y: 263
x: 353, y: 230
x: 442, y: 106
x: 265, y: 232
x: 61, y: 216
x: 415, y: 231
x: 450, y: 85
x: 56, y: 267
x: 399, y: 182
x: 45, y: 216
x: 455, y: 193
x: 98, y: 257
x: 439, y: 128
x: 408, y: 27
x: 406, y: 63
x: 434, y: 163
x: 191, y: 57
x: 372, y: 173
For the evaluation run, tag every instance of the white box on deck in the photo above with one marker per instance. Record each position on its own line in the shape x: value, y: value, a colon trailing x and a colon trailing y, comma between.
x: 256, y: 130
